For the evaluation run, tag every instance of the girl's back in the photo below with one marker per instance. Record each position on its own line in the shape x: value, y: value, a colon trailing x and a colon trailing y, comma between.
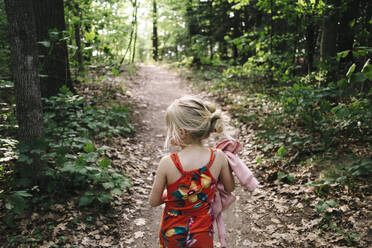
x: 190, y: 176
x: 187, y: 217
x: 192, y: 159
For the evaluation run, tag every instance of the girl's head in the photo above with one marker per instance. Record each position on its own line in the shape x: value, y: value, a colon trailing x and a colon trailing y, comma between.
x: 190, y: 120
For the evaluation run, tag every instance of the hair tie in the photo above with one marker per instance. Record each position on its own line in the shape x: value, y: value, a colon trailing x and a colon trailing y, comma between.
x: 215, y: 115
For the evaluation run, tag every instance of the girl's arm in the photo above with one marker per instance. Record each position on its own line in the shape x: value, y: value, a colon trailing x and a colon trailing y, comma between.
x: 226, y: 176
x: 159, y: 184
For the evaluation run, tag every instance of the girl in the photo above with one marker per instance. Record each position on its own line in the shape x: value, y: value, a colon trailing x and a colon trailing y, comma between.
x: 190, y: 176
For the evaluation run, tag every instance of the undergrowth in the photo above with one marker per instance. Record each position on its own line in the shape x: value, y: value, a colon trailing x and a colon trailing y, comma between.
x: 304, y: 121
x: 71, y: 163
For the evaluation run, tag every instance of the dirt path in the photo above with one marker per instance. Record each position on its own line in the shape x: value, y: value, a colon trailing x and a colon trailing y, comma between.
x: 154, y: 89
x: 263, y: 219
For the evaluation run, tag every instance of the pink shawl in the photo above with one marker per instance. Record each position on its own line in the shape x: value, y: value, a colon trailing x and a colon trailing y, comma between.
x: 223, y: 199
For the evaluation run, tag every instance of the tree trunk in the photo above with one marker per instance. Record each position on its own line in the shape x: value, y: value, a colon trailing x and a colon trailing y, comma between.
x: 192, y: 29
x: 25, y: 69
x: 77, y: 31
x: 22, y: 34
x: 130, y: 38
x: 346, y: 32
x: 211, y: 53
x: 135, y: 32
x: 155, y: 38
x: 50, y: 23
x: 236, y: 22
x: 329, y: 37
x: 310, y: 43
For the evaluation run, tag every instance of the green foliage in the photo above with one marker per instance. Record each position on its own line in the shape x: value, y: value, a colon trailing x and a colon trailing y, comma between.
x: 285, y: 177
x: 361, y: 168
x: 322, y: 206
x: 71, y: 120
x: 104, y: 30
x: 72, y: 159
x: 16, y: 201
x: 313, y: 106
x: 309, y: 104
x: 281, y: 152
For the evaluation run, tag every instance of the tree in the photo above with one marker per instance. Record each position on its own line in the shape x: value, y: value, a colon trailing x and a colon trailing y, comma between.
x: 77, y: 34
x: 133, y: 35
x: 135, y: 27
x: 22, y: 32
x: 155, y: 39
x: 4, y: 45
x: 50, y: 27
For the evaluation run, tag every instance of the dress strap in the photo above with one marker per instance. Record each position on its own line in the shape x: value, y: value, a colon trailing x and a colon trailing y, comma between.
x: 211, y: 160
x: 177, y: 162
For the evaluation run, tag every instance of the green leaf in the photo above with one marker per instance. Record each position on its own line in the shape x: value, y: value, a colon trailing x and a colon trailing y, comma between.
x: 9, y: 205
x: 342, y: 54
x: 281, y: 151
x: 127, y: 183
x: 115, y: 72
x: 365, y: 66
x: 22, y: 193
x: 89, y: 36
x: 351, y: 70
x: 281, y: 175
x: 108, y: 185
x: 105, y: 198
x: 358, y: 77
x: 8, y: 220
x: 116, y: 191
x: 290, y: 178
x: 89, y: 148
x: 85, y: 200
x: 321, y: 206
x: 44, y: 43
x: 369, y: 74
x: 17, y: 203
x: 332, y: 203
x: 104, y: 163
x: 91, y: 157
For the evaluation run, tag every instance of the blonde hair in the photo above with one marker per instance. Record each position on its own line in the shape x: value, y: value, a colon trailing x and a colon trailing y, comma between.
x: 193, y: 116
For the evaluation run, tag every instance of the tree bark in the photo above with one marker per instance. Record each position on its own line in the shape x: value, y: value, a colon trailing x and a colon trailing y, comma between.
x: 236, y: 24
x: 135, y: 32
x: 192, y: 28
x: 155, y: 38
x: 77, y: 31
x: 310, y: 43
x: 329, y: 37
x: 130, y: 37
x: 79, y: 55
x: 49, y: 17
x: 346, y: 33
x: 23, y: 45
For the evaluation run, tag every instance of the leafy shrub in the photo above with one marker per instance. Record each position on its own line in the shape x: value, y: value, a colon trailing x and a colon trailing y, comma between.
x: 67, y: 115
x: 308, y: 105
x: 72, y: 162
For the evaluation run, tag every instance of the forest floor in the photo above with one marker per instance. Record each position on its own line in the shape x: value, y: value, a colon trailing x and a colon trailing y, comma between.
x: 277, y: 214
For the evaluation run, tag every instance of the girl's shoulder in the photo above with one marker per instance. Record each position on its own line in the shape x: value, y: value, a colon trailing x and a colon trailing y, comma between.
x: 220, y: 157
x: 166, y: 162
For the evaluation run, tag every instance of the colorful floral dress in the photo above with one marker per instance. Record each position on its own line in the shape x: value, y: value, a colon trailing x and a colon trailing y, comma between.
x: 187, y: 217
